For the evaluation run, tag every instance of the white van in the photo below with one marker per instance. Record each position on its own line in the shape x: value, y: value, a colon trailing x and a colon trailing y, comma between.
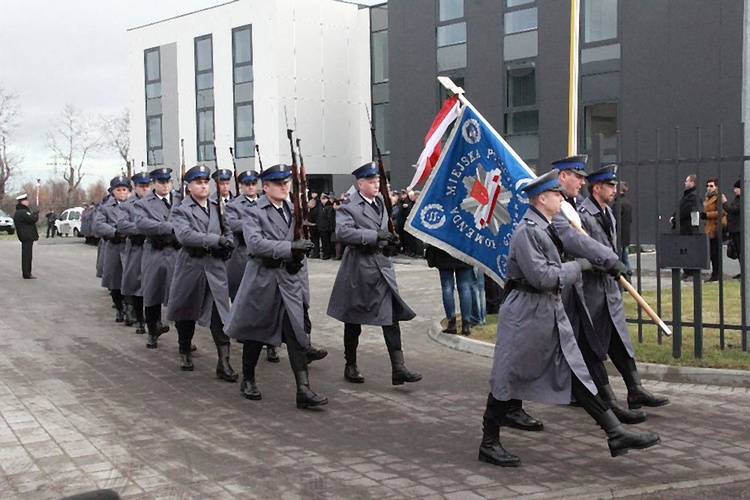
x: 69, y: 222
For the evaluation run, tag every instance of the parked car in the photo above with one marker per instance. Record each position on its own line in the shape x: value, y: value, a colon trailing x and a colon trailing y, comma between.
x: 6, y: 223
x: 69, y: 222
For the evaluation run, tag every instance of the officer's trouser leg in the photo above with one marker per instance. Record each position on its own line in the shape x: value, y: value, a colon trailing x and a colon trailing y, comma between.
x: 223, y: 369
x: 351, y: 341
x: 138, y: 306
x: 297, y: 357
x: 27, y: 248
x: 185, y: 333
x: 250, y: 355
x: 593, y: 363
x: 117, y: 300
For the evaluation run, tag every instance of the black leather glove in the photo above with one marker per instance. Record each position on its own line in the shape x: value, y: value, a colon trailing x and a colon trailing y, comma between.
x: 617, y: 270
x: 388, y: 236
x: 223, y: 242
x: 302, y: 245
x: 585, y: 265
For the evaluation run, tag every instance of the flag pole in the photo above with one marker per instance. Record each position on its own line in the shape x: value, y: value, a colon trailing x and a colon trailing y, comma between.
x: 575, y: 16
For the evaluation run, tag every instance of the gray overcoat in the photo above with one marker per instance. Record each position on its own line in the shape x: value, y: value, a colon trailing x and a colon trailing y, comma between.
x: 99, y: 246
x: 536, y: 352
x: 157, y: 266
x: 365, y: 291
x: 131, y: 271
x: 266, y: 293
x: 603, y: 296
x: 198, y: 283
x: 235, y: 211
x: 575, y: 245
x: 113, y: 257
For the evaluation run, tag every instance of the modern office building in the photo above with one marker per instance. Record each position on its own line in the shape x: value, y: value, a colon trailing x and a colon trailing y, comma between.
x: 236, y: 75
x: 660, y: 81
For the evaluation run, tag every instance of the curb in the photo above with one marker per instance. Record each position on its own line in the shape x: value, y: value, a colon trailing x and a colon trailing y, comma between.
x: 651, y: 371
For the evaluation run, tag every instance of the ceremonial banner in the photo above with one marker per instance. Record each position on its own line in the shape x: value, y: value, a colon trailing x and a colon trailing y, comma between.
x: 472, y: 201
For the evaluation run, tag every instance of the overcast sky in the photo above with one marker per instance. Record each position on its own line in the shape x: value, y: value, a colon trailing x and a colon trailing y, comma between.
x: 54, y: 52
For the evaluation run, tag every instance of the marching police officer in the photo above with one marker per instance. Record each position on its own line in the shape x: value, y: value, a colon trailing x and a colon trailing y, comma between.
x: 536, y: 353
x: 222, y: 177
x: 199, y: 291
x: 131, y: 272
x: 365, y: 290
x: 275, y: 269
x: 603, y: 295
x: 159, y: 250
x: 114, y: 248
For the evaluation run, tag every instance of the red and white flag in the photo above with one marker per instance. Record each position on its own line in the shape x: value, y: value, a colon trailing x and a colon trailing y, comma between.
x: 431, y: 152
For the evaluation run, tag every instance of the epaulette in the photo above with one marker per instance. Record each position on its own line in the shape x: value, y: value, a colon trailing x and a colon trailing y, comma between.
x: 530, y: 222
x: 346, y: 201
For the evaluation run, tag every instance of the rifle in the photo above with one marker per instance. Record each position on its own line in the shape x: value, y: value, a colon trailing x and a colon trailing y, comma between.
x: 234, y: 167
x: 219, y: 209
x: 383, y: 179
x: 303, y: 192
x: 298, y: 256
x: 260, y: 162
x: 182, y: 170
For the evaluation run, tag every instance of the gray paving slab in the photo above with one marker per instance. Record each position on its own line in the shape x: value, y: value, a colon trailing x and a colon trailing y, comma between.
x: 83, y: 405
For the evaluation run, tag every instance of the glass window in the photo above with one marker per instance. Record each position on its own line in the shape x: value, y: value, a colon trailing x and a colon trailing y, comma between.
x: 243, y: 48
x: 153, y: 68
x: 451, y: 57
x: 203, y: 54
x: 601, y: 119
x: 244, y: 148
x: 206, y: 152
x: 243, y: 74
x: 522, y: 122
x: 521, y: 87
x: 599, y: 20
x: 380, y: 57
x: 153, y: 90
x: 206, y: 125
x: 450, y: 9
x: 379, y: 18
x: 153, y: 126
x: 451, y: 34
x: 156, y: 156
x: 380, y: 117
x: 204, y: 81
x: 521, y: 20
x: 516, y: 3
x: 244, y: 120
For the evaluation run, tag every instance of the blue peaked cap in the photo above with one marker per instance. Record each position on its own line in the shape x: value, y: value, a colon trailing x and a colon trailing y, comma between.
x: 278, y: 172
x: 161, y: 173
x: 141, y: 178
x: 546, y: 182
x: 576, y: 163
x: 608, y: 174
x: 247, y: 176
x: 198, y: 172
x: 367, y: 170
x: 118, y: 181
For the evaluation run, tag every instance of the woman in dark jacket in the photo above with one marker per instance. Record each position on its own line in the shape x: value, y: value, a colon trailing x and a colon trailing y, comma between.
x: 733, y: 209
x: 450, y: 267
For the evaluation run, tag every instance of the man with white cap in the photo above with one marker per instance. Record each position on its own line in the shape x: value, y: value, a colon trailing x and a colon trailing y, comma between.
x: 25, y: 221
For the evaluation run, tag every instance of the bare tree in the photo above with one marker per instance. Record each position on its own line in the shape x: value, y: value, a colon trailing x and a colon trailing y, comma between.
x: 116, y: 132
x: 72, y: 139
x: 9, y: 111
x: 97, y: 191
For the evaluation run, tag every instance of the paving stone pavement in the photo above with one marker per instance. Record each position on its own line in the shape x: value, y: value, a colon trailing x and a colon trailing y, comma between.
x: 84, y: 405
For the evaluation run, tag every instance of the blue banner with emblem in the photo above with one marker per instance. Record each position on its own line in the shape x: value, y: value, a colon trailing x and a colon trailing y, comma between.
x: 473, y: 201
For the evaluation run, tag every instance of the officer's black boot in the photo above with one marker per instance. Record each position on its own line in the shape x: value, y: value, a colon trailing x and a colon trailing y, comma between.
x: 223, y: 369
x: 619, y: 439
x: 314, y: 354
x: 152, y: 337
x: 491, y: 451
x: 351, y: 372
x: 186, y: 361
x: 130, y: 318
x: 623, y: 414
x: 638, y: 396
x: 161, y: 328
x: 271, y: 354
x: 306, y: 398
x: 400, y: 373
x: 516, y: 417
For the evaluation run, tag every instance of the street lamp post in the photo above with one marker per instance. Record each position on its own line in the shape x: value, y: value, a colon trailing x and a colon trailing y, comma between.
x: 38, y: 185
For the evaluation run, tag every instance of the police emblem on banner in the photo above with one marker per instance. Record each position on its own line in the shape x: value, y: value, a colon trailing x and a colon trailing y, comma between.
x: 472, y: 202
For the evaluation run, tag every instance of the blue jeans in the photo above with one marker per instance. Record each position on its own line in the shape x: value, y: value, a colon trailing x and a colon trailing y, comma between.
x: 625, y: 258
x: 463, y: 278
x: 479, y: 300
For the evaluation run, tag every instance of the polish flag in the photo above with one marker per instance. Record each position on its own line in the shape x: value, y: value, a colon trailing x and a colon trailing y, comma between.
x: 431, y: 152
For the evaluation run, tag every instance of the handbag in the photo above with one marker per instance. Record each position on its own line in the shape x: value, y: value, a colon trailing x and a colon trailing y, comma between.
x: 732, y: 252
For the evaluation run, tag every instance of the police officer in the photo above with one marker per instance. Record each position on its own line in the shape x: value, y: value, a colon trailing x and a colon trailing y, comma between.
x: 199, y: 290
x: 114, y: 248
x: 100, y: 243
x: 365, y: 290
x: 603, y: 295
x: 222, y: 177
x: 25, y: 220
x: 275, y: 267
x: 159, y: 249
x: 536, y: 353
x: 131, y: 273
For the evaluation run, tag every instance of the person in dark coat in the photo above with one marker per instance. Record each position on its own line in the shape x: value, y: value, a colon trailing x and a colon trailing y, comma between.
x: 626, y: 221
x: 199, y: 292
x: 51, y: 218
x: 270, y: 304
x: 453, y: 273
x: 365, y: 291
x: 131, y: 271
x: 326, y: 224
x: 114, y: 242
x: 159, y: 250
x: 536, y: 353
x: 604, y: 298
x: 25, y: 221
x: 314, y: 207
x: 733, y: 210
x: 689, y: 212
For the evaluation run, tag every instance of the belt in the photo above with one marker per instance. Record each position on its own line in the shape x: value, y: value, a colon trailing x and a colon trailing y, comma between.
x: 272, y: 263
x: 200, y: 252
x: 525, y: 286
x: 137, y: 239
x: 367, y: 249
x: 160, y: 243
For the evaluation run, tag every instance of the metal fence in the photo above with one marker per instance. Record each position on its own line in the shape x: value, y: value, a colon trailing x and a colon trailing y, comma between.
x: 655, y: 164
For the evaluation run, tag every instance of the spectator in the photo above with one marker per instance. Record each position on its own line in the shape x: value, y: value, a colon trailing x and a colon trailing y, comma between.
x: 626, y: 219
x: 689, y: 213
x: 338, y: 246
x: 314, y: 208
x: 713, y: 224
x: 325, y: 227
x: 453, y: 273
x: 733, y: 209
x: 396, y: 215
x: 51, y: 218
x: 479, y: 299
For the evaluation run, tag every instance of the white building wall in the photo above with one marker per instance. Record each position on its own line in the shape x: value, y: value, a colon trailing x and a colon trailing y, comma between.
x: 310, y: 56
